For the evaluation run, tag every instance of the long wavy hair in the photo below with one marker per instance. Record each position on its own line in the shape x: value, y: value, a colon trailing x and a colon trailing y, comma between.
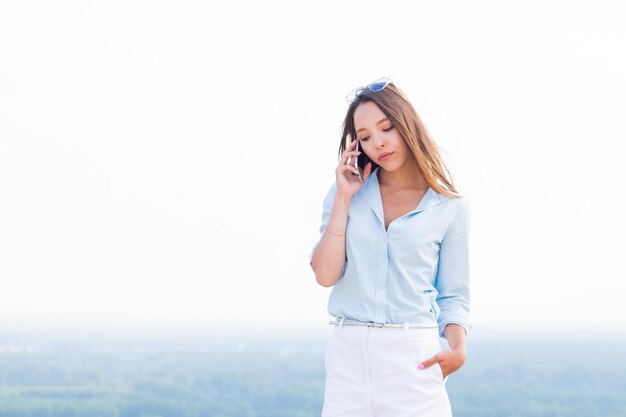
x: 398, y: 109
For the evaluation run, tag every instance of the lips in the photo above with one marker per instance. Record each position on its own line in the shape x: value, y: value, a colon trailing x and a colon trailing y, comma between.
x: 384, y: 156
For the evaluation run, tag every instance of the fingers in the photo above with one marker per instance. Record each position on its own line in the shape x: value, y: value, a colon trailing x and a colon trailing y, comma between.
x: 351, y: 146
x: 428, y: 362
x: 350, y: 152
x: 343, y: 168
x: 345, y: 155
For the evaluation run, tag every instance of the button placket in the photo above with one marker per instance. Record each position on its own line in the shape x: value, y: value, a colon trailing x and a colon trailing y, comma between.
x: 381, y: 279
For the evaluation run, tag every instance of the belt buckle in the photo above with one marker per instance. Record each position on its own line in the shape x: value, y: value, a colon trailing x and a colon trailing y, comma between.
x: 380, y: 325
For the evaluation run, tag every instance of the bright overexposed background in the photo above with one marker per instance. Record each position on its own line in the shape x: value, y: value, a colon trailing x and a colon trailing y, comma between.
x: 168, y: 160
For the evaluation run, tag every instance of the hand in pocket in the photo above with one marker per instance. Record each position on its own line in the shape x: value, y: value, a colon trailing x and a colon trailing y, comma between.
x: 447, y: 360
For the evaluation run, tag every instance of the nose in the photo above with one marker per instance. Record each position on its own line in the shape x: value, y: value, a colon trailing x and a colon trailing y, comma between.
x: 378, y: 141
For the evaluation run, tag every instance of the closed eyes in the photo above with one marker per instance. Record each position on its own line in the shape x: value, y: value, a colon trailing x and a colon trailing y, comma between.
x: 364, y: 139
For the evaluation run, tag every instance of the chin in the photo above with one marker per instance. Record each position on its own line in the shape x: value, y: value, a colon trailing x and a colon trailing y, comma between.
x: 391, y: 165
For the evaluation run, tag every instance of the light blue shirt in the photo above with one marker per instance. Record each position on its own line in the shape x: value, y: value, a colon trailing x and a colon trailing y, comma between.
x: 416, y: 272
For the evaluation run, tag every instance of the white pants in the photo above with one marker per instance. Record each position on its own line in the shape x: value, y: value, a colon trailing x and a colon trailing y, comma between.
x: 372, y: 372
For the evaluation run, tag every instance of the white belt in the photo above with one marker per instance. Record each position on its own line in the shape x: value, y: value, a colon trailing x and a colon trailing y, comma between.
x: 344, y: 322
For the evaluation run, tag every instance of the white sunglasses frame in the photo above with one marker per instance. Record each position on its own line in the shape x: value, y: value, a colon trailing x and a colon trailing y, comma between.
x: 355, y: 93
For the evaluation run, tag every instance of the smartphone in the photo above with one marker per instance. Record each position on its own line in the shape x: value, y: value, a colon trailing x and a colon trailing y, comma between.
x: 363, y: 159
x: 356, y: 163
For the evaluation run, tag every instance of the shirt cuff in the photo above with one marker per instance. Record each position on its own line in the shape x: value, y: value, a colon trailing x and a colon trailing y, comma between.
x: 464, y: 323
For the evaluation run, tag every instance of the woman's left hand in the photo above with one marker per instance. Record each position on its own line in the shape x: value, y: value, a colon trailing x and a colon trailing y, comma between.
x: 449, y: 361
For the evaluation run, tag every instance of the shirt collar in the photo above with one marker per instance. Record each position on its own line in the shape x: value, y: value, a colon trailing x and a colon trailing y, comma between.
x: 371, y: 193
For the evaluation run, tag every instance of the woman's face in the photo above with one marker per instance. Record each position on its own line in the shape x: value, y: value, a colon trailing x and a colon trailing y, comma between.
x: 377, y: 136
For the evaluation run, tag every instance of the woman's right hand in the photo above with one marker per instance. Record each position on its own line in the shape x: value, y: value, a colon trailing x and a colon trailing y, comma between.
x: 347, y: 183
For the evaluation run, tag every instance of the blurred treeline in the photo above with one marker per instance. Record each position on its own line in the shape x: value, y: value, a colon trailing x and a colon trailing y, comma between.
x: 527, y: 377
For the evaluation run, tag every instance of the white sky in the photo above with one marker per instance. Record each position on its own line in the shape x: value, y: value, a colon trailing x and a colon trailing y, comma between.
x: 169, y: 159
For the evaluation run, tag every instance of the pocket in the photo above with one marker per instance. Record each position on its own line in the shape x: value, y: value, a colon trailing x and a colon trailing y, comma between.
x: 436, y: 348
x: 439, y: 371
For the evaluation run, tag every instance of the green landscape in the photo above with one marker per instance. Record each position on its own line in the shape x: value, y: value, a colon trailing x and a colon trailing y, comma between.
x: 525, y: 375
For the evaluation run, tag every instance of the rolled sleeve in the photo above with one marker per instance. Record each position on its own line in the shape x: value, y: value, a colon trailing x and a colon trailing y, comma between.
x: 453, y: 274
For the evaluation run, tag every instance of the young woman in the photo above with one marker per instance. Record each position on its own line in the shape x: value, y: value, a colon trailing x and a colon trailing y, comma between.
x: 394, y: 247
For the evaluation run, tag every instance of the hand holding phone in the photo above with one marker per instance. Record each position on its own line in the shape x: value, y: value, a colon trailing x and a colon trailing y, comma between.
x: 356, y: 163
x: 346, y: 184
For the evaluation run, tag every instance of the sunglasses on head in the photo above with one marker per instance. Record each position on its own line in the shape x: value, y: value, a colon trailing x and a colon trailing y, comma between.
x: 374, y: 87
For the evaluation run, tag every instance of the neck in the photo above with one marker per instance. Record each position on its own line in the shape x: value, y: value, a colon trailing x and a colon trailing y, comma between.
x: 407, y: 176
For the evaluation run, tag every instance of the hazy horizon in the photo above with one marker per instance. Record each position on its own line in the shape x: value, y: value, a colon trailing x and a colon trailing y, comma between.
x: 208, y: 330
x: 132, y: 375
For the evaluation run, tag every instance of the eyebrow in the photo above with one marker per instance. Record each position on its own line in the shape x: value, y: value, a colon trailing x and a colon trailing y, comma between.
x: 378, y: 122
